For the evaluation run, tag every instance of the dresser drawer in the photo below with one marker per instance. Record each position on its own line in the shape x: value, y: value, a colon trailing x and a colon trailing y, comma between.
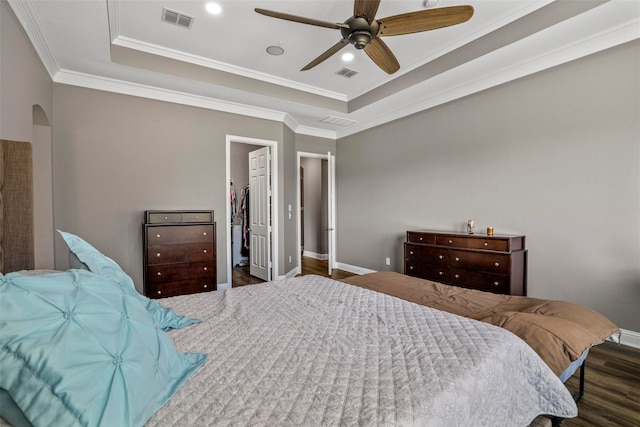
x: 437, y: 273
x: 179, y: 234
x: 197, y: 217
x: 452, y: 241
x: 163, y: 217
x: 488, y: 244
x: 160, y: 273
x: 427, y: 254
x: 481, y: 261
x: 167, y: 217
x: 497, y: 283
x: 166, y: 254
x: 416, y: 237
x: 182, y: 287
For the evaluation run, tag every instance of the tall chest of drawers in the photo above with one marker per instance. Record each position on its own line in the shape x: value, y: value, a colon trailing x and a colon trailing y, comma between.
x: 179, y: 253
x: 488, y: 263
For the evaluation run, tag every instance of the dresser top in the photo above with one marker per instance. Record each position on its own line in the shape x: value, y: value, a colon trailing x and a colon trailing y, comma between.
x: 482, y: 235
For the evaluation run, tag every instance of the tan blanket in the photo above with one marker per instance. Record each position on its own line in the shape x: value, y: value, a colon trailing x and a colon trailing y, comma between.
x: 558, y: 331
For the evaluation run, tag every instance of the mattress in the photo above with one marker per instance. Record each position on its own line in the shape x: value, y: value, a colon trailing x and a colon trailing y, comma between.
x: 314, y: 351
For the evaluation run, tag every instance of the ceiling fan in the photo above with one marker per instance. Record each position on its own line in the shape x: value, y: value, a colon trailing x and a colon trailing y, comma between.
x: 364, y: 31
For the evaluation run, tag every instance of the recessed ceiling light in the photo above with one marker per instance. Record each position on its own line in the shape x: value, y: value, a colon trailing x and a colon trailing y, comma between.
x: 213, y: 8
x: 347, y: 57
x: 275, y: 50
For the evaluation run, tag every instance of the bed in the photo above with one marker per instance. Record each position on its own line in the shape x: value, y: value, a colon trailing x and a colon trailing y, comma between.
x: 560, y: 332
x: 302, y: 351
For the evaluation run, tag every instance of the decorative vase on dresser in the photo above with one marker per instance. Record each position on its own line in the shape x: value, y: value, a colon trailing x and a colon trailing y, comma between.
x: 179, y: 253
x: 496, y: 263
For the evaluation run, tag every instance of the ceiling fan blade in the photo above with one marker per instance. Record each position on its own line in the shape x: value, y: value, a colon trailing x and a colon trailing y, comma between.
x: 380, y: 53
x: 329, y: 52
x: 424, y: 20
x: 301, y: 19
x: 366, y: 8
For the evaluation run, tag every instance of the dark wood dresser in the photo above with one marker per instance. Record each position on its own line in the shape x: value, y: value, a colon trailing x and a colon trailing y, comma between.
x: 495, y: 263
x: 179, y: 253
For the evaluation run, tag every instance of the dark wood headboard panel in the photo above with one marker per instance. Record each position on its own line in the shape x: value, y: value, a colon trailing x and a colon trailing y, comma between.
x: 16, y: 206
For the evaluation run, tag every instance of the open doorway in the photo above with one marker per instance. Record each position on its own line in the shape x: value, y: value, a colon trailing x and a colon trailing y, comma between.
x: 316, y: 230
x: 241, y: 202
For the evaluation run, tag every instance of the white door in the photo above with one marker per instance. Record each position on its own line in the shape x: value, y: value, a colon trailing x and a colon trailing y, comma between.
x: 260, y: 213
x: 331, y: 215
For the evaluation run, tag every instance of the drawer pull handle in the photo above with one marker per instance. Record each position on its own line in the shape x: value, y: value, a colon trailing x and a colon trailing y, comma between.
x: 411, y: 267
x: 159, y: 274
x: 410, y: 252
x: 497, y: 264
x: 440, y: 273
x: 457, y: 275
x: 157, y: 235
x: 457, y: 259
x: 197, y: 217
x: 421, y: 239
x: 158, y: 254
x: 440, y: 257
x: 205, y: 268
x: 204, y: 286
x: 159, y: 292
x: 450, y: 241
x: 486, y: 244
x: 496, y: 283
x: 204, y: 234
x: 204, y: 250
x: 166, y: 217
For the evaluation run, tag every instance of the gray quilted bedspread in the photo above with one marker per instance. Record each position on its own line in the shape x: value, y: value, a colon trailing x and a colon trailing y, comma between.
x: 311, y: 351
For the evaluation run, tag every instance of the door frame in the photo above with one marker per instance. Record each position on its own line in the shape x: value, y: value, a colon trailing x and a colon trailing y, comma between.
x: 331, y: 205
x: 274, y: 202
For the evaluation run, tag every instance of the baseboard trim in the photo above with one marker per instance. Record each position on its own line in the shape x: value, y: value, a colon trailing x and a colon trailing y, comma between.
x: 353, y: 269
x: 292, y: 273
x: 630, y: 338
x: 314, y: 255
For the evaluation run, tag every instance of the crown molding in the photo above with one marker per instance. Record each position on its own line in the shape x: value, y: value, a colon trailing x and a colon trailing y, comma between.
x: 221, y: 66
x: 444, y: 88
x: 134, y: 89
x: 32, y: 26
x: 430, y: 94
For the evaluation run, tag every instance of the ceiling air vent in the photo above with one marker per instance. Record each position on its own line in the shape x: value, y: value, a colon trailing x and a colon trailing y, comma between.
x: 340, y: 121
x: 346, y: 72
x: 178, y: 18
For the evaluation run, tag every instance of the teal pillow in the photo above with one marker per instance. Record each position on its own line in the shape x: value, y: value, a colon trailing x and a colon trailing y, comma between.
x: 100, y: 264
x: 77, y: 351
x: 10, y: 411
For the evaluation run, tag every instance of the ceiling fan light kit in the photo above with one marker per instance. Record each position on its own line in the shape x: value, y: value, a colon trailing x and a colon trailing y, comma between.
x: 363, y: 31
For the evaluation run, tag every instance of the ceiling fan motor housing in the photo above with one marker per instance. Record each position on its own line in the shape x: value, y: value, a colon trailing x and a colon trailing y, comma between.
x: 360, y: 31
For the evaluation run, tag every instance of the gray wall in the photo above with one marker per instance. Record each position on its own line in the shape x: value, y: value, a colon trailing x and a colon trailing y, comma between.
x: 26, y: 106
x: 116, y: 156
x: 555, y: 156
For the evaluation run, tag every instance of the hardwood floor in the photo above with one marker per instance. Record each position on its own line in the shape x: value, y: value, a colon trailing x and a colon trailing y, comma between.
x: 240, y: 276
x: 612, y: 388
x: 612, y: 379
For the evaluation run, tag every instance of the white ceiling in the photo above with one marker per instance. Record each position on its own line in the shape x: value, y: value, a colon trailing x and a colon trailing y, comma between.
x: 221, y: 62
